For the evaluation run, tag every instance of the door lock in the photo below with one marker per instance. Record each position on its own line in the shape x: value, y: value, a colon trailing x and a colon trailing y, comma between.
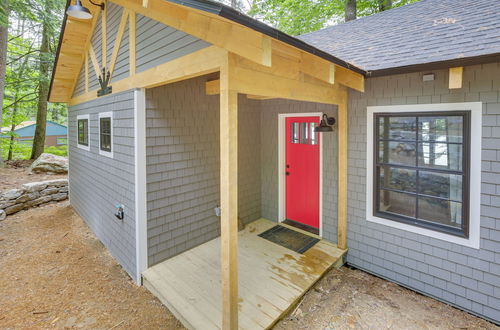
x: 287, y: 173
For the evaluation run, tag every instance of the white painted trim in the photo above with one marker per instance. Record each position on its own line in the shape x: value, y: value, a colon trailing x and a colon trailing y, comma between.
x: 141, y: 243
x: 105, y: 115
x: 81, y: 146
x: 475, y: 170
x: 281, y: 166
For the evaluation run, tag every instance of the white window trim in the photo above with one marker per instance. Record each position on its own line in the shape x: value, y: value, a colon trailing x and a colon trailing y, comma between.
x: 475, y: 170
x: 108, y: 114
x: 281, y: 165
x: 81, y: 146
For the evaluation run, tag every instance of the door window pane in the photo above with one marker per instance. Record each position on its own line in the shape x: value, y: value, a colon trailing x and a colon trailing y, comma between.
x: 314, y: 135
x: 295, y: 133
x: 397, y: 152
x: 304, y: 133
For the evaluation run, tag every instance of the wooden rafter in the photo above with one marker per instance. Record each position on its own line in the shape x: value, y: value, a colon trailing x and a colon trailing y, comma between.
x: 118, y: 40
x: 95, y: 63
x: 104, y: 39
x: 231, y: 36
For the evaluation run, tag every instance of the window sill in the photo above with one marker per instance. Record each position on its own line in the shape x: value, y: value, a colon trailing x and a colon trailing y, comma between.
x: 106, y: 153
x: 84, y: 147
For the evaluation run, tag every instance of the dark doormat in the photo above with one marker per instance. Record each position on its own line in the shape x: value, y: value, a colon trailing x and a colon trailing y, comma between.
x: 289, y: 238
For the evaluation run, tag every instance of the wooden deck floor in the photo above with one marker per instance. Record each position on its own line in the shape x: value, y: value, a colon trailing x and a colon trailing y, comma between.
x: 271, y: 279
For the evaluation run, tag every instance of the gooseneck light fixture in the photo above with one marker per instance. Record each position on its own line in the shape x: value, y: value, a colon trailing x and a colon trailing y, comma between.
x: 80, y: 12
x: 325, y: 125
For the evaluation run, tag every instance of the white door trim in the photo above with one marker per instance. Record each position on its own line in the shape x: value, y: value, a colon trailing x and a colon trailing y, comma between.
x: 281, y: 166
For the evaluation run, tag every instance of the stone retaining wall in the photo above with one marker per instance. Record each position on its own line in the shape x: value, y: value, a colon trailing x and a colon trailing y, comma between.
x: 31, y: 195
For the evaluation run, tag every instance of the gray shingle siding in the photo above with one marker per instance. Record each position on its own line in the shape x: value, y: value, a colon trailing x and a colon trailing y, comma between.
x: 462, y: 276
x: 182, y: 145
x: 158, y: 43
x: 98, y: 183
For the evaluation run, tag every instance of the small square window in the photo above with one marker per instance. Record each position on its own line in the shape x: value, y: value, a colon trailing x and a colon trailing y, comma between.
x: 106, y: 134
x: 83, y: 132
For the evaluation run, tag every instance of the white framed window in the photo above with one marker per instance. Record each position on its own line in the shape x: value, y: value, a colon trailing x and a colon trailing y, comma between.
x: 424, y: 169
x: 83, y: 130
x: 105, y: 124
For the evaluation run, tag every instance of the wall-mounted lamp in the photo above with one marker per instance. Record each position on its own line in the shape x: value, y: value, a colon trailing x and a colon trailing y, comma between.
x: 80, y: 12
x: 325, y: 125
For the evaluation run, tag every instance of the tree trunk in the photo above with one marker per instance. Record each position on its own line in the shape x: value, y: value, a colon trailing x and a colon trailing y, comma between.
x: 350, y: 10
x: 41, y: 115
x: 384, y: 5
x: 4, y: 36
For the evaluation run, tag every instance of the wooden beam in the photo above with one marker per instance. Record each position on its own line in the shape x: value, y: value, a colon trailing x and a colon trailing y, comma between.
x: 317, y: 67
x: 212, y: 28
x: 342, y: 125
x: 229, y: 197
x: 95, y: 63
x: 212, y: 87
x: 118, y: 40
x: 131, y: 43
x: 204, y: 61
x: 456, y: 77
x: 104, y: 24
x: 254, y: 82
x: 86, y: 73
x: 349, y: 78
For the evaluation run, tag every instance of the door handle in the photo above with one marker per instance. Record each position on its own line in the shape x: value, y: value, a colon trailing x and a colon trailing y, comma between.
x: 287, y: 173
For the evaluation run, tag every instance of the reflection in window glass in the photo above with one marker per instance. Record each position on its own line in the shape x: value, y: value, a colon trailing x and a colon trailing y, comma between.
x: 304, y: 133
x: 314, y: 135
x: 420, y: 169
x: 295, y: 132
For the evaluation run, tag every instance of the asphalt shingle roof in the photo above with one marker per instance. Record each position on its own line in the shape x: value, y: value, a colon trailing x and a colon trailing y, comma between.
x: 423, y: 32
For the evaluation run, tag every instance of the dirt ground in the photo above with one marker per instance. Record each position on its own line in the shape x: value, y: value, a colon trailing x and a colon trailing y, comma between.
x: 54, y: 273
x: 15, y: 173
x: 352, y: 299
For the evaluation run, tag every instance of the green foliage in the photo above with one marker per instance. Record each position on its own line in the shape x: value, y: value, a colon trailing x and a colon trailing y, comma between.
x: 26, y: 20
x: 22, y: 150
x: 297, y: 17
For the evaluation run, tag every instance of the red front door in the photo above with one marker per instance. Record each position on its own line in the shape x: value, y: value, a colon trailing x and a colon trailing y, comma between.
x: 302, y: 170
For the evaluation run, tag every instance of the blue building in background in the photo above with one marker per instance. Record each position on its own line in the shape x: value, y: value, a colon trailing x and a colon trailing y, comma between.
x: 55, y: 135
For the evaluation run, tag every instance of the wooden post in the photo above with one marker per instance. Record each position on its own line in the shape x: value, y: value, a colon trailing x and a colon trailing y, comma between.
x: 342, y: 182
x: 104, y: 40
x: 229, y: 198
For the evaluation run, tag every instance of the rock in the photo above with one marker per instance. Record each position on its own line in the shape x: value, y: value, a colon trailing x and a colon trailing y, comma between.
x: 14, y: 209
x: 50, y: 163
x: 12, y: 194
x: 49, y: 191
x: 63, y: 189
x: 23, y: 198
x: 5, y: 205
x: 59, y: 197
x: 3, y: 215
x: 41, y: 200
x: 57, y: 183
x: 35, y: 186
